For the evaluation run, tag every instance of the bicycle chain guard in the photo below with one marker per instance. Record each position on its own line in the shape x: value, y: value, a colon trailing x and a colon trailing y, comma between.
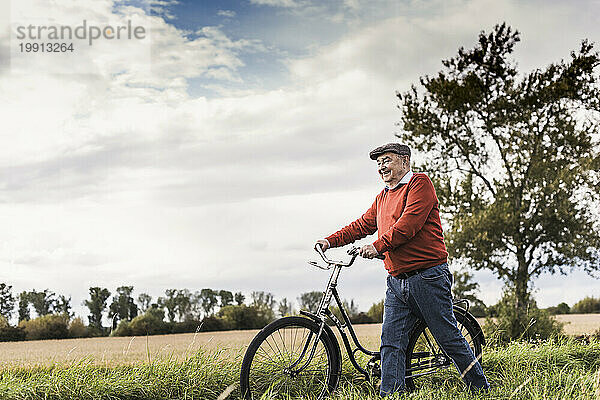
x: 373, y: 368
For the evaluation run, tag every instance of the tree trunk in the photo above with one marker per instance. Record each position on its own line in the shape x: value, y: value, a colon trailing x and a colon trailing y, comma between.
x: 521, y: 293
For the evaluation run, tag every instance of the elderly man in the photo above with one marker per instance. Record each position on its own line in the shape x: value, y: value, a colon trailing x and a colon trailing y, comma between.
x: 407, y: 218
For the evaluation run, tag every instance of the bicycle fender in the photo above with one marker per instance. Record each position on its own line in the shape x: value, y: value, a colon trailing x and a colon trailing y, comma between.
x: 472, y: 320
x: 463, y: 313
x: 329, y: 332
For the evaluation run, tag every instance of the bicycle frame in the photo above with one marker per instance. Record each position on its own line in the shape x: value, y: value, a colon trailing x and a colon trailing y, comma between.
x: 323, y: 313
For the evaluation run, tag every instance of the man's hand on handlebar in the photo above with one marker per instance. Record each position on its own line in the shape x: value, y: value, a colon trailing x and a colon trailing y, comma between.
x: 324, y: 244
x: 368, y: 251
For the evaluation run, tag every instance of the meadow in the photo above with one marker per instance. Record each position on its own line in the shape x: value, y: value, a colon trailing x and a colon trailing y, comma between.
x: 109, y: 351
x: 206, y: 366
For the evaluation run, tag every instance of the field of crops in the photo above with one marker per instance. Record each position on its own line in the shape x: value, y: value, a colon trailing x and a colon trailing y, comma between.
x: 125, y: 350
x: 206, y: 366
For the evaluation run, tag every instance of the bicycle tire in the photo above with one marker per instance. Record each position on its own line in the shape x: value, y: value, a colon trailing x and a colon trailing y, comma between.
x: 422, y: 348
x: 275, y: 348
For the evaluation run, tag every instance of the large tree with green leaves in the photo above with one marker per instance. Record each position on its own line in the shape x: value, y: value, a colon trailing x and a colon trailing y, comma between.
x: 514, y: 158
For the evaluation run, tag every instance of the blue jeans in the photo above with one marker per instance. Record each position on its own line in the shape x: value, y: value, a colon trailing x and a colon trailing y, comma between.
x: 425, y: 295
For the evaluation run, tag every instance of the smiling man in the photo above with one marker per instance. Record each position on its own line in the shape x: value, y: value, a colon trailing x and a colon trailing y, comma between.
x: 406, y: 216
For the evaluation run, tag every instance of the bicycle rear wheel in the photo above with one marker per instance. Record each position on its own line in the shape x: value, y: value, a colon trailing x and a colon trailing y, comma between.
x: 285, y: 361
x: 424, y: 357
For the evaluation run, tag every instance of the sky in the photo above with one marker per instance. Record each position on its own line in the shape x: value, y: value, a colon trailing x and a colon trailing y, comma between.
x: 216, y: 148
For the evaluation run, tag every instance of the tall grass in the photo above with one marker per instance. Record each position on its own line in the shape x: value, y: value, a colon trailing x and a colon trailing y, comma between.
x: 561, y: 369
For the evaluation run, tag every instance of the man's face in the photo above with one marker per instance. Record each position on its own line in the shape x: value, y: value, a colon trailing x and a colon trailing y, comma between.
x: 392, y: 167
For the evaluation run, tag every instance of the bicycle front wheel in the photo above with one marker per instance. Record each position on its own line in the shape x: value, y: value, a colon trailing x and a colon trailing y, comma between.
x: 285, y: 360
x: 424, y: 357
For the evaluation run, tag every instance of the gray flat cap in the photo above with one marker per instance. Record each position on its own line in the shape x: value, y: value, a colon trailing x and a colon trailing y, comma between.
x: 400, y: 149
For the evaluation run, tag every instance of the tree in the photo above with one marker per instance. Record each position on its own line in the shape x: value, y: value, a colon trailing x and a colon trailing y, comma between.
x: 310, y: 300
x: 264, y: 302
x: 96, y: 305
x: 243, y: 317
x: 285, y: 308
x: 48, y: 326
x: 123, y: 307
x: 183, y: 300
x: 196, y: 305
x: 586, y: 306
x: 144, y: 300
x: 77, y: 328
x: 262, y: 299
x: 351, y: 309
x: 169, y: 303
x: 512, y: 156
x: 149, y: 323
x: 376, y: 312
x: 226, y: 298
x: 24, y: 314
x: 507, y: 326
x: 7, y: 301
x: 239, y: 298
x: 465, y: 288
x: 42, y: 302
x: 561, y: 308
x: 208, y: 299
x: 62, y: 305
x: 10, y: 333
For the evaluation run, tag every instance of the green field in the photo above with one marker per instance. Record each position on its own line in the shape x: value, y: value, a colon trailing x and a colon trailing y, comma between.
x: 563, y: 369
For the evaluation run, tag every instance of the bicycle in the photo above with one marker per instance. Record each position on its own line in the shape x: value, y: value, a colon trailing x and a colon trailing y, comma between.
x: 300, y: 356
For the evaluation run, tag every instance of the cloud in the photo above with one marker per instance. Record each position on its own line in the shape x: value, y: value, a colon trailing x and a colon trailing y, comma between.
x: 162, y: 7
x: 165, y: 54
x: 108, y: 89
x: 226, y: 13
x: 276, y: 3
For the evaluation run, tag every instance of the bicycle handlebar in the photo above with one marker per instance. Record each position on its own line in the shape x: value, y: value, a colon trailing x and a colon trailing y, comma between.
x: 354, y: 252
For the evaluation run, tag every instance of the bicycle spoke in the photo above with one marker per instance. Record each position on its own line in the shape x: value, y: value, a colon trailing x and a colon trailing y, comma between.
x: 427, y: 339
x: 270, y: 371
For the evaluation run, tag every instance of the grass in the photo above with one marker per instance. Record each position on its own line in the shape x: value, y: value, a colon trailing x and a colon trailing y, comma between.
x: 563, y: 369
x: 202, y: 376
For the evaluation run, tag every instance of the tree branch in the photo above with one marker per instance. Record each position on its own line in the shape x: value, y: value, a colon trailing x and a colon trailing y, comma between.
x: 468, y: 159
x: 496, y: 138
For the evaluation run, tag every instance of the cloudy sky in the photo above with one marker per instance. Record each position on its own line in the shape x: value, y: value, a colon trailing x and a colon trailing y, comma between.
x: 216, y: 149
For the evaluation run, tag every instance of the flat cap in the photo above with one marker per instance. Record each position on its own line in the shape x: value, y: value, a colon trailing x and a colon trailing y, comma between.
x: 400, y: 149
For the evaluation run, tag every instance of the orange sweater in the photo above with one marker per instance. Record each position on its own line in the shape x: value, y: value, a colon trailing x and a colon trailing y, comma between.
x: 407, y: 220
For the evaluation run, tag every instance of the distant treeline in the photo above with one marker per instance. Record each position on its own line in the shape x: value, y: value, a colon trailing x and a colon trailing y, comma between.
x: 587, y: 305
x: 181, y: 311
x: 178, y: 311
